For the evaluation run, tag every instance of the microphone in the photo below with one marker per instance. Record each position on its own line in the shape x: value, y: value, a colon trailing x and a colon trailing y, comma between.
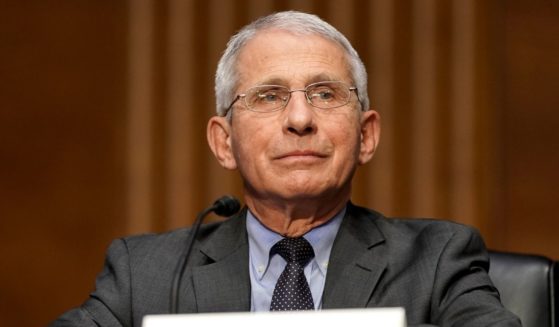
x: 225, y: 206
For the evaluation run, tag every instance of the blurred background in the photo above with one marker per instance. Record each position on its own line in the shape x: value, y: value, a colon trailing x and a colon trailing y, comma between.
x: 104, y: 104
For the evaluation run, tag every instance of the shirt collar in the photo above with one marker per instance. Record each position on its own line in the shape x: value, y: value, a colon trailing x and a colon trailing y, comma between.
x: 261, y: 239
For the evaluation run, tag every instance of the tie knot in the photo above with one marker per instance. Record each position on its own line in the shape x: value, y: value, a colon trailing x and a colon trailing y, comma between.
x: 294, y: 250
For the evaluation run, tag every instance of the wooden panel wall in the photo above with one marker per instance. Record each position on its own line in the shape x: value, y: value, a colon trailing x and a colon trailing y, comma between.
x: 103, y: 110
x: 530, y: 127
x: 63, y: 82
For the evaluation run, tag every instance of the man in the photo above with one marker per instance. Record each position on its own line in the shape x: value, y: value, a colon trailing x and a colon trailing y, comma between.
x: 294, y: 120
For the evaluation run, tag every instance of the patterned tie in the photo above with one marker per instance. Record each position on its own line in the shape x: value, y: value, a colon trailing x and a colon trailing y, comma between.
x: 292, y: 291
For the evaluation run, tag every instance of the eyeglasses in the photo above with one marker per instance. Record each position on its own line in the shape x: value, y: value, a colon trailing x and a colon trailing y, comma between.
x: 269, y: 98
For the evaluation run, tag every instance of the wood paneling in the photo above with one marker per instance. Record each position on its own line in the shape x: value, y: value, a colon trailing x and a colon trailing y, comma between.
x: 531, y: 126
x: 63, y: 83
x: 104, y: 106
x: 140, y: 116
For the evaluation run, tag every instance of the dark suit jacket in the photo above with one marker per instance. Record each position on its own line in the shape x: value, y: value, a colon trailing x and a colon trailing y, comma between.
x: 436, y: 270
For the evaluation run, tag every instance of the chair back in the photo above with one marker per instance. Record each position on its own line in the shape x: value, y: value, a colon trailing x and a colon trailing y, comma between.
x: 528, y: 286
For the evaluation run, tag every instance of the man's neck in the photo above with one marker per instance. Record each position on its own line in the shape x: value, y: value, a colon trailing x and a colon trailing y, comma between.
x: 295, y: 218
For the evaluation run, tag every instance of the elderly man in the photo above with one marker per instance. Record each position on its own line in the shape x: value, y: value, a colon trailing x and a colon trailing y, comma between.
x: 294, y: 120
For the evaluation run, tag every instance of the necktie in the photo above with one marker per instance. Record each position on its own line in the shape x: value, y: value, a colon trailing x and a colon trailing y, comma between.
x: 292, y: 291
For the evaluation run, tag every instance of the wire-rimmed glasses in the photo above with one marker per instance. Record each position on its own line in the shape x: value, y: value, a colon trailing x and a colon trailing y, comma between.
x: 269, y: 98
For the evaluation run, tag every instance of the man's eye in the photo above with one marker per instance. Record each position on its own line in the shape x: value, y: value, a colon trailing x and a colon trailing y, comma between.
x: 268, y: 97
x: 326, y: 95
x: 323, y: 94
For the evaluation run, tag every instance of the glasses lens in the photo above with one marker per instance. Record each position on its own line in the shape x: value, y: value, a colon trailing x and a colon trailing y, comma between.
x: 327, y: 95
x: 266, y: 98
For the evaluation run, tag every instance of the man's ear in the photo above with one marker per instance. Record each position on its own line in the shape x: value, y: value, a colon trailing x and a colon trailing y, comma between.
x: 219, y: 140
x: 370, y: 134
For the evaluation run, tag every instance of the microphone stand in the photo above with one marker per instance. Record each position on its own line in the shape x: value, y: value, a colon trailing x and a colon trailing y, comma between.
x: 224, y: 206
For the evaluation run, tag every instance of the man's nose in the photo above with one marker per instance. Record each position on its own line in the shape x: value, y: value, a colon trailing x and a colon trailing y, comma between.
x: 299, y: 115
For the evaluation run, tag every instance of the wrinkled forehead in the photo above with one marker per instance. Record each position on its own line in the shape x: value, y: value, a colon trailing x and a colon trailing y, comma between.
x: 282, y: 57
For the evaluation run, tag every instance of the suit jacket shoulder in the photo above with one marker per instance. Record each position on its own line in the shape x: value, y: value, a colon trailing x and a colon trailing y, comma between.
x: 436, y: 270
x: 138, y: 272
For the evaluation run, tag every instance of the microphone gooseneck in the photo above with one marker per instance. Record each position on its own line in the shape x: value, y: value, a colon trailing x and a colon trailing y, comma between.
x: 225, y: 206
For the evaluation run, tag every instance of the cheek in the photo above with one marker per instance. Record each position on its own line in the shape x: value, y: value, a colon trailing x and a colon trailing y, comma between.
x: 240, y: 153
x: 248, y: 149
x: 346, y: 136
x: 347, y: 151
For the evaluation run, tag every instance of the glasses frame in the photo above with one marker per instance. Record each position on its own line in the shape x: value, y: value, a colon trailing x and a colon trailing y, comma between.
x: 290, y: 91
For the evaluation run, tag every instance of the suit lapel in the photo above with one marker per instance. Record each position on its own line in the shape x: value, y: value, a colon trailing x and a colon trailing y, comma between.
x: 356, y: 262
x: 224, y: 283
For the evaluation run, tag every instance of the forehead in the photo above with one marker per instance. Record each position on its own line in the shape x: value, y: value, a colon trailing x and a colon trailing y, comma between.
x: 281, y: 57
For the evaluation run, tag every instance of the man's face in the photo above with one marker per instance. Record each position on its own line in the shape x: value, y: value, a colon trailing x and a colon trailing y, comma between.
x: 300, y: 152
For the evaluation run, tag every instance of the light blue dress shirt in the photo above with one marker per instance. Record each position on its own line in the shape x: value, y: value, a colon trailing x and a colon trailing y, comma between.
x: 265, y: 271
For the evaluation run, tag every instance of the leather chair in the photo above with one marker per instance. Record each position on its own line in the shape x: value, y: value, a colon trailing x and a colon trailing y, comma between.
x: 528, y: 285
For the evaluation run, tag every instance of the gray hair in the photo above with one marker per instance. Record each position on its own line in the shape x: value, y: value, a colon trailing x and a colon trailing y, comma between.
x: 226, y: 77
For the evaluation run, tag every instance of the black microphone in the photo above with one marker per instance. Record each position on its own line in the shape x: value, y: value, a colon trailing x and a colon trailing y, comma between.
x: 225, y: 206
